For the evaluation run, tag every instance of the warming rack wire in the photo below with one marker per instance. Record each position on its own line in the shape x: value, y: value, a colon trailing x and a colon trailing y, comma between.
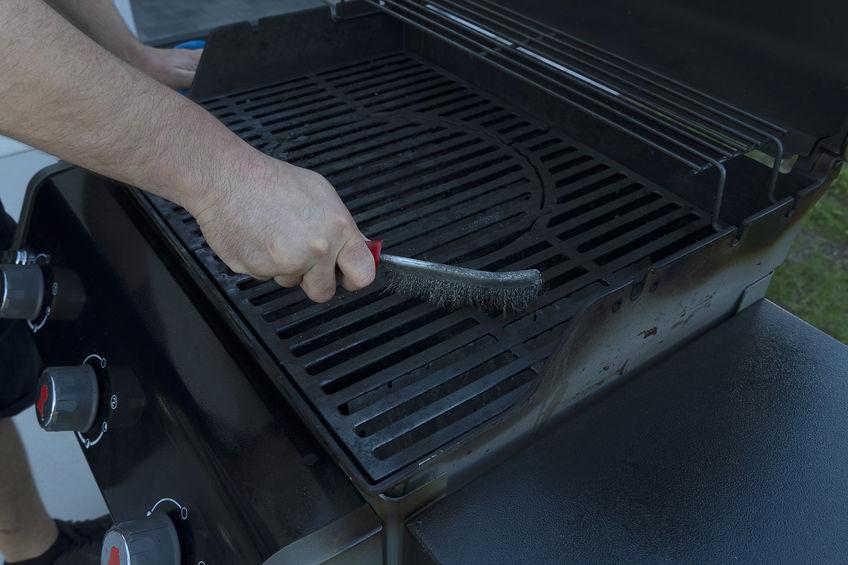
x: 691, y: 127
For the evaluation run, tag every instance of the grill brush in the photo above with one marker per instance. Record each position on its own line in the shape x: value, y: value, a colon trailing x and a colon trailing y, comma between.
x: 454, y: 287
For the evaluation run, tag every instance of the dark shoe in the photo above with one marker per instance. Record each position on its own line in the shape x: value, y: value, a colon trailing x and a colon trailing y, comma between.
x: 79, y: 543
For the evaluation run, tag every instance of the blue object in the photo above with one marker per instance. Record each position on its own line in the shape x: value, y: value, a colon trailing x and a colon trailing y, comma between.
x: 191, y: 44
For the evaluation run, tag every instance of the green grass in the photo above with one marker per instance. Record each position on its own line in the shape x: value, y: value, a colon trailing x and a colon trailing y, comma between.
x: 813, y: 282
x: 829, y: 218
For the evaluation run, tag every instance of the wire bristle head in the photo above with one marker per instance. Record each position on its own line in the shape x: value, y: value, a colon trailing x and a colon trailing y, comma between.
x: 451, y: 293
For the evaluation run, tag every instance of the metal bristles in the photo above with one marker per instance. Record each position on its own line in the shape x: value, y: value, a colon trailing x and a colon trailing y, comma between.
x: 455, y: 287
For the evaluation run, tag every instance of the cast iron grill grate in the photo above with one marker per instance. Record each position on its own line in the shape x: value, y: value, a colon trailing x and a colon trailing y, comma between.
x: 440, y: 171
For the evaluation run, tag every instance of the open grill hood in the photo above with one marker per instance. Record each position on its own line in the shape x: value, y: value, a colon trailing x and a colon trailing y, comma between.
x: 782, y: 61
x: 450, y: 153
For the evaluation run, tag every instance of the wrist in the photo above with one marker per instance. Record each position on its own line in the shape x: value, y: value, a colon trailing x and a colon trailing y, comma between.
x: 139, y: 55
x: 229, y: 173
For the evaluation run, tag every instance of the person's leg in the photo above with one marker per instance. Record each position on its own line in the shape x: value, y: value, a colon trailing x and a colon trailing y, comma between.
x: 26, y: 530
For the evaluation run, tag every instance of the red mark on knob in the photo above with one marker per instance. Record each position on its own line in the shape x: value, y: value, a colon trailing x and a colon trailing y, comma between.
x: 42, y: 398
x: 375, y: 247
x: 114, y: 556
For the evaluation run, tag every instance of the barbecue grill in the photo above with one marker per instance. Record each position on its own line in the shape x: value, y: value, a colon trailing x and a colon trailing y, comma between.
x: 655, y: 200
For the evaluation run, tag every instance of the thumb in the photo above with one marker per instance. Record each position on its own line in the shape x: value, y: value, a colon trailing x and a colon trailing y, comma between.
x: 356, y: 264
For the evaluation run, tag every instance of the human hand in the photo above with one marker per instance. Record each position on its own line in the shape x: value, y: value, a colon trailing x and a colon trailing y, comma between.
x: 171, y: 67
x: 270, y: 219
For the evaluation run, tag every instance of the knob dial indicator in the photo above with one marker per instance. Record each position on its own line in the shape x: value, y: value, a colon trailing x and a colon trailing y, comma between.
x: 149, y: 541
x: 67, y: 398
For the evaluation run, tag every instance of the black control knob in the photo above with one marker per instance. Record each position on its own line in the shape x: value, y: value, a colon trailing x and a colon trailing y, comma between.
x: 22, y: 292
x: 67, y: 399
x: 149, y: 541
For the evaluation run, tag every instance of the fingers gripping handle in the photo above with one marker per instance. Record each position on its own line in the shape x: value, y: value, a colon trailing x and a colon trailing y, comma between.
x: 375, y: 247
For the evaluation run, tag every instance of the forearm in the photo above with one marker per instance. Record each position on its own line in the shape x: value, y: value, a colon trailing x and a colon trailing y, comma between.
x: 100, y: 20
x: 63, y: 93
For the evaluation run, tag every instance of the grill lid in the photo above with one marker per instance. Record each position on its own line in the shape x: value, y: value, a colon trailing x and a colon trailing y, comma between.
x: 780, y: 60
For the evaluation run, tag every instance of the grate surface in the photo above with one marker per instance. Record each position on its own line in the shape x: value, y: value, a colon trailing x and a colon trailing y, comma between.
x: 443, y: 172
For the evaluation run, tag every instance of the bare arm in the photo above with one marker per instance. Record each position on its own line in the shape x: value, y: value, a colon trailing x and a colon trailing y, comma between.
x: 100, y: 20
x: 65, y: 94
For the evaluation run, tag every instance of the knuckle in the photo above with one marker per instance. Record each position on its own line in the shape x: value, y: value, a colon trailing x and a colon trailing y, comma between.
x: 259, y: 266
x: 285, y: 260
x: 343, y: 225
x: 288, y: 268
x: 260, y: 272
x: 320, y: 287
x: 319, y: 294
x: 319, y: 246
x: 287, y: 281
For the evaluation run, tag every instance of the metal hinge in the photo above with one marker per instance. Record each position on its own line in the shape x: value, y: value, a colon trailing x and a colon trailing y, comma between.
x: 337, y: 9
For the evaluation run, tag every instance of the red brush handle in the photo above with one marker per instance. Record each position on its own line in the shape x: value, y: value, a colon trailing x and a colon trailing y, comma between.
x: 376, y: 247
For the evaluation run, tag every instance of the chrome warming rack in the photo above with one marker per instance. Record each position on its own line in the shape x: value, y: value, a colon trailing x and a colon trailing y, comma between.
x: 691, y: 127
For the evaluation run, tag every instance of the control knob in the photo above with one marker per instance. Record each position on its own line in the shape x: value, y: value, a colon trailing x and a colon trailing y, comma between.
x: 149, y: 541
x: 22, y: 292
x: 67, y: 398
x: 37, y: 292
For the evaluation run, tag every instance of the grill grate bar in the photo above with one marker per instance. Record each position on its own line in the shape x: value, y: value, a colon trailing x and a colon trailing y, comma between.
x: 291, y: 106
x: 586, y: 188
x: 332, y: 331
x: 396, y: 139
x: 445, y: 201
x: 336, y: 139
x: 669, y: 239
x: 337, y: 311
x: 367, y: 68
x: 610, y: 204
x: 417, y: 340
x: 411, y: 75
x: 633, y: 225
x: 438, y: 148
x: 391, y: 400
x: 365, y: 195
x: 306, y: 123
x: 385, y: 442
x: 405, y: 369
x: 397, y: 430
x: 349, y: 346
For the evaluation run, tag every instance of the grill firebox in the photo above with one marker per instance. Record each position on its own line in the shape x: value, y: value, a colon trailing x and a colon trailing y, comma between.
x: 444, y: 172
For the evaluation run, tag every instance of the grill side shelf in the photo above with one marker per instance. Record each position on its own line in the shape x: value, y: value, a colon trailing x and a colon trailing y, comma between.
x: 443, y: 172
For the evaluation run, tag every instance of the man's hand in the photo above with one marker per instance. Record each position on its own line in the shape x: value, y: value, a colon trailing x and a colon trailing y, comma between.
x: 279, y: 221
x: 65, y: 94
x: 100, y: 20
x: 171, y: 67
